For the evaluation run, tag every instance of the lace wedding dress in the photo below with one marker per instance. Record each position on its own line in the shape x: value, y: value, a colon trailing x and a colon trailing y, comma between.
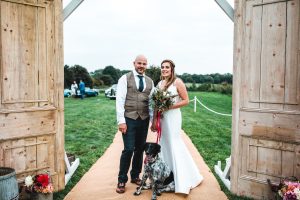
x: 175, y: 153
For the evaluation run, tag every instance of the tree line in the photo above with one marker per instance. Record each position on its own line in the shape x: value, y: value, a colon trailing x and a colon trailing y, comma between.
x: 110, y: 75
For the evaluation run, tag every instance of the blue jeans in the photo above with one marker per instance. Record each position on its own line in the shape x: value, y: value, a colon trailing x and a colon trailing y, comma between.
x: 134, y: 141
x: 82, y: 94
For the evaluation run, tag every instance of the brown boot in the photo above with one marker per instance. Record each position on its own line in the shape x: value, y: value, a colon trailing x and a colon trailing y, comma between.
x: 120, y: 188
x: 137, y: 181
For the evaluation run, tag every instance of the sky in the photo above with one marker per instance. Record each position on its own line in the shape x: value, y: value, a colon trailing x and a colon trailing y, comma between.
x: 196, y: 34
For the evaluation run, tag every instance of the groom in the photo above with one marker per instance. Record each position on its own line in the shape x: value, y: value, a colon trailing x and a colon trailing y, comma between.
x: 132, y: 105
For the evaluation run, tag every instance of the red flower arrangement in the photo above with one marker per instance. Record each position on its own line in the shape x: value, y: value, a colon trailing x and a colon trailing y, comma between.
x: 40, y: 183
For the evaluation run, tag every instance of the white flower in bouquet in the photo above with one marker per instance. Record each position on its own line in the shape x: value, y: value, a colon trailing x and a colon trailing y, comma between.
x: 28, y: 181
x: 297, y: 193
x: 280, y: 193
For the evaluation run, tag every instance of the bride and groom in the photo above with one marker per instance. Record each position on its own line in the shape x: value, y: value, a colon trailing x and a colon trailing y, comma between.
x: 133, y: 116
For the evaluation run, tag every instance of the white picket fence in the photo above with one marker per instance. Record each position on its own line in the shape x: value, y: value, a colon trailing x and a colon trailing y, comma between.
x: 225, y: 174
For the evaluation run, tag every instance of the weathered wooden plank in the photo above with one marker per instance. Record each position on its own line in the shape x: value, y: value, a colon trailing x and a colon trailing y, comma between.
x: 42, y: 159
x: 18, y: 124
x: 254, y: 187
x: 32, y: 109
x: 288, y: 157
x: 9, y: 36
x: 51, y: 38
x: 273, y: 54
x: 269, y: 161
x: 18, y: 160
x: 251, y: 157
x: 245, y: 160
x: 273, y: 145
x: 52, y: 153
x: 271, y: 126
x: 255, y: 48
x: 30, y: 153
x: 59, y: 74
x: 292, y: 62
x: 5, y: 156
x: 236, y: 93
x: 30, y: 1
x: 42, y: 78
x: 297, y: 161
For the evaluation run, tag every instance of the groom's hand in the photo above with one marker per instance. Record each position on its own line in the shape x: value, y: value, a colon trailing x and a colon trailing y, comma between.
x: 123, y: 128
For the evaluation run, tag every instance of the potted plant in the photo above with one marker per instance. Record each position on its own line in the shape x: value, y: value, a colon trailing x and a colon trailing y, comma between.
x: 39, y: 186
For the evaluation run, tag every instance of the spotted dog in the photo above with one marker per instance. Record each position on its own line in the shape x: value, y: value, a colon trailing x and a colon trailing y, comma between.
x: 160, y: 176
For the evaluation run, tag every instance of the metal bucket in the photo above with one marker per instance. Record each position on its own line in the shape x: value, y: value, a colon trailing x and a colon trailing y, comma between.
x: 8, y: 184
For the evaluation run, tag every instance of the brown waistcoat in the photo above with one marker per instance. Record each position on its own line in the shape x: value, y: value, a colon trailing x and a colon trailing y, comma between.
x: 137, y: 103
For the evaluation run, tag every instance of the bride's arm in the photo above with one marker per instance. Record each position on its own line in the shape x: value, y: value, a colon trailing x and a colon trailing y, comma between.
x: 182, y: 92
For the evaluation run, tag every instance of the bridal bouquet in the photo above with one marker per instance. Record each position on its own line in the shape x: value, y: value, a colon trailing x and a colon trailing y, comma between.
x: 162, y: 100
x: 40, y: 183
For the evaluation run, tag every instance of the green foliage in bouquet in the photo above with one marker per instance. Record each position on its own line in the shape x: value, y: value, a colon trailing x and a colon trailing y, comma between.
x: 162, y: 100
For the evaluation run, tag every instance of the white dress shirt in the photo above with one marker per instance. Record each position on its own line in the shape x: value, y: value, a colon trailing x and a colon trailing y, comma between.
x: 121, y: 96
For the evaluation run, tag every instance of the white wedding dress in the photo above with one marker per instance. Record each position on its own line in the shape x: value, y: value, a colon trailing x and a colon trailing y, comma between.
x: 174, y: 152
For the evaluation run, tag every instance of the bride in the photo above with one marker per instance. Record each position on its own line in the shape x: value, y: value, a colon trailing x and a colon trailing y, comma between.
x: 173, y: 150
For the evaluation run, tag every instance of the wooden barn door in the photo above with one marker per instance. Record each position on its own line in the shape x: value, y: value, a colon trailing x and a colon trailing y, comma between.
x: 266, y: 110
x: 31, y: 96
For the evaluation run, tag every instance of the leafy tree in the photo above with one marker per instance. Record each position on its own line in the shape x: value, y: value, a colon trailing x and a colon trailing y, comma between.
x: 106, y: 79
x: 96, y: 77
x: 227, y: 78
x: 97, y: 82
x: 82, y: 73
x: 68, y: 76
x: 185, y: 77
x: 154, y: 73
x: 208, y: 79
x: 113, y: 72
x: 98, y: 71
x: 125, y: 71
x: 217, y: 78
x: 196, y: 78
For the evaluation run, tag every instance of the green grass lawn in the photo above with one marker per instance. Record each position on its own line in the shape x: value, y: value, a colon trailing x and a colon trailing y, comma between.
x: 90, y: 126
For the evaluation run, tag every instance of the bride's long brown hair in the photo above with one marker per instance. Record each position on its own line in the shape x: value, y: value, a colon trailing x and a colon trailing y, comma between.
x: 172, y: 78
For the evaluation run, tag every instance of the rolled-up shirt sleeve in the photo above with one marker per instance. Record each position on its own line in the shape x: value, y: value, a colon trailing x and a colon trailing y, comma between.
x: 120, y: 99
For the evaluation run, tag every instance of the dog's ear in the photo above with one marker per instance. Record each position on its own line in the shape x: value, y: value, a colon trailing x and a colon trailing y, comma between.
x: 158, y: 148
x: 146, y: 146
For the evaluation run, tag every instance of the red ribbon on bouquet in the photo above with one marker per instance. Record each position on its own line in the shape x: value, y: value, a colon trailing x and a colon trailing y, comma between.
x: 158, y: 127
